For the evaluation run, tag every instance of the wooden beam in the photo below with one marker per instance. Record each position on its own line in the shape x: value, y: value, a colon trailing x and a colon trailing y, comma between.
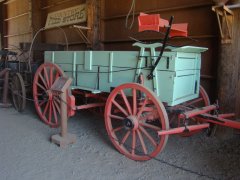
x: 18, y: 34
x: 17, y: 16
x: 190, y: 6
x: 156, y: 38
x: 225, y: 20
x: 55, y: 4
x: 93, y: 9
x: 229, y: 71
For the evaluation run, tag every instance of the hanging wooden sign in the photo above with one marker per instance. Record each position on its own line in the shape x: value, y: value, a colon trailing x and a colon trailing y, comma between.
x: 73, y: 15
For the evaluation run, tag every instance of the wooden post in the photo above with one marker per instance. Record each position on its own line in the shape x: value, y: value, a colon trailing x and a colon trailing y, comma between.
x: 1, y: 25
x: 61, y: 86
x: 93, y: 22
x: 229, y: 70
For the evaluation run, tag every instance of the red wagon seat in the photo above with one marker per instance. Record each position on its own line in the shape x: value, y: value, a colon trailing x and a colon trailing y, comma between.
x: 153, y: 22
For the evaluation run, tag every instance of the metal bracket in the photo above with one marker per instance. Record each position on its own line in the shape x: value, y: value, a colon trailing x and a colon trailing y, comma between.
x: 225, y: 21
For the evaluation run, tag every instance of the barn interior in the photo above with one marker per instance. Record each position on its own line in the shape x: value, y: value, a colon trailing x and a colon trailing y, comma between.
x: 71, y: 70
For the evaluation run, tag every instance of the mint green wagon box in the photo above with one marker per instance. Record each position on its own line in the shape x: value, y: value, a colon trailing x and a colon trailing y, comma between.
x: 176, y: 78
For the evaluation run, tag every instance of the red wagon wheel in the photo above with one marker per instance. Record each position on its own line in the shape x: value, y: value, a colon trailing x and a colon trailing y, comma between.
x: 47, y: 104
x: 133, y: 116
x: 201, y: 101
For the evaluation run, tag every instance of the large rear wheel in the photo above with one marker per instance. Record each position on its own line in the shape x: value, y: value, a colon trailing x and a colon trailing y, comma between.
x: 133, y: 117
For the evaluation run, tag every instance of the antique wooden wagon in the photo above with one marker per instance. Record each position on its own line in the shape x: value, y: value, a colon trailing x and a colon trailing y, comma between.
x: 140, y: 92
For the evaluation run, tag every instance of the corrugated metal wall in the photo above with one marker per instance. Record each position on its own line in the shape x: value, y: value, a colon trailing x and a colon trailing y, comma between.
x: 198, y: 14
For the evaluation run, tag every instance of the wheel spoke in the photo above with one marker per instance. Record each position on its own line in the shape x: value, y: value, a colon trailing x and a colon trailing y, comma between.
x: 39, y: 85
x: 125, y: 137
x: 57, y: 99
x: 41, y: 103
x: 50, y: 112
x: 126, y: 102
x: 117, y: 129
x: 56, y: 76
x: 134, y: 93
x: 46, y: 76
x: 133, y: 141
x: 148, y: 136
x: 142, y: 142
x: 142, y: 107
x: 116, y: 117
x: 57, y: 106
x: 55, y: 113
x: 43, y: 80
x: 150, y: 126
x: 51, y: 76
x: 120, y: 108
x: 46, y: 108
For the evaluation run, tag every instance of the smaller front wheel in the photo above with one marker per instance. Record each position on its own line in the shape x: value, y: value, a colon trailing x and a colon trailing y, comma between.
x: 18, y: 92
x: 46, y: 103
x: 133, y: 117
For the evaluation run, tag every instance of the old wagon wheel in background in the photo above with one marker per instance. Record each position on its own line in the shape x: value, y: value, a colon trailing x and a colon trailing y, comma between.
x: 201, y: 101
x: 132, y: 121
x: 18, y: 92
x: 47, y: 104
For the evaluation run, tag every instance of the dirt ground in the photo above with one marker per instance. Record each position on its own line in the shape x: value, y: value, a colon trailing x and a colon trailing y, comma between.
x: 26, y: 153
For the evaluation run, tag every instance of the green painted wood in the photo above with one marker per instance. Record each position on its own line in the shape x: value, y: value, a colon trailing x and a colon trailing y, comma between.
x: 178, y: 73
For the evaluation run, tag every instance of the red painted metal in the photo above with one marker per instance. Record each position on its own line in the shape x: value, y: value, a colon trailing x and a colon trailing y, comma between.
x: 180, y: 130
x: 46, y: 103
x: 132, y: 134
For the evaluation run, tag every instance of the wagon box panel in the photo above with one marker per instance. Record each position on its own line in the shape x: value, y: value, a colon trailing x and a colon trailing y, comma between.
x: 178, y: 73
x: 176, y: 61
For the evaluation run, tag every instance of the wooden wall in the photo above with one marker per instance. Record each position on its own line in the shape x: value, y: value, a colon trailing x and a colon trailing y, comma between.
x: 198, y: 14
x: 17, y: 22
x: 1, y: 27
x: 23, y: 19
x: 229, y: 70
x: 56, y: 35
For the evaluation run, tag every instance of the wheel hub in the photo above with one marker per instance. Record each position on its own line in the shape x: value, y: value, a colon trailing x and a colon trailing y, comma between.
x: 49, y: 95
x: 130, y: 122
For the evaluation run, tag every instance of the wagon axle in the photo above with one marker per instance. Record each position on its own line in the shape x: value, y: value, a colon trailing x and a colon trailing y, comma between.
x: 131, y: 123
